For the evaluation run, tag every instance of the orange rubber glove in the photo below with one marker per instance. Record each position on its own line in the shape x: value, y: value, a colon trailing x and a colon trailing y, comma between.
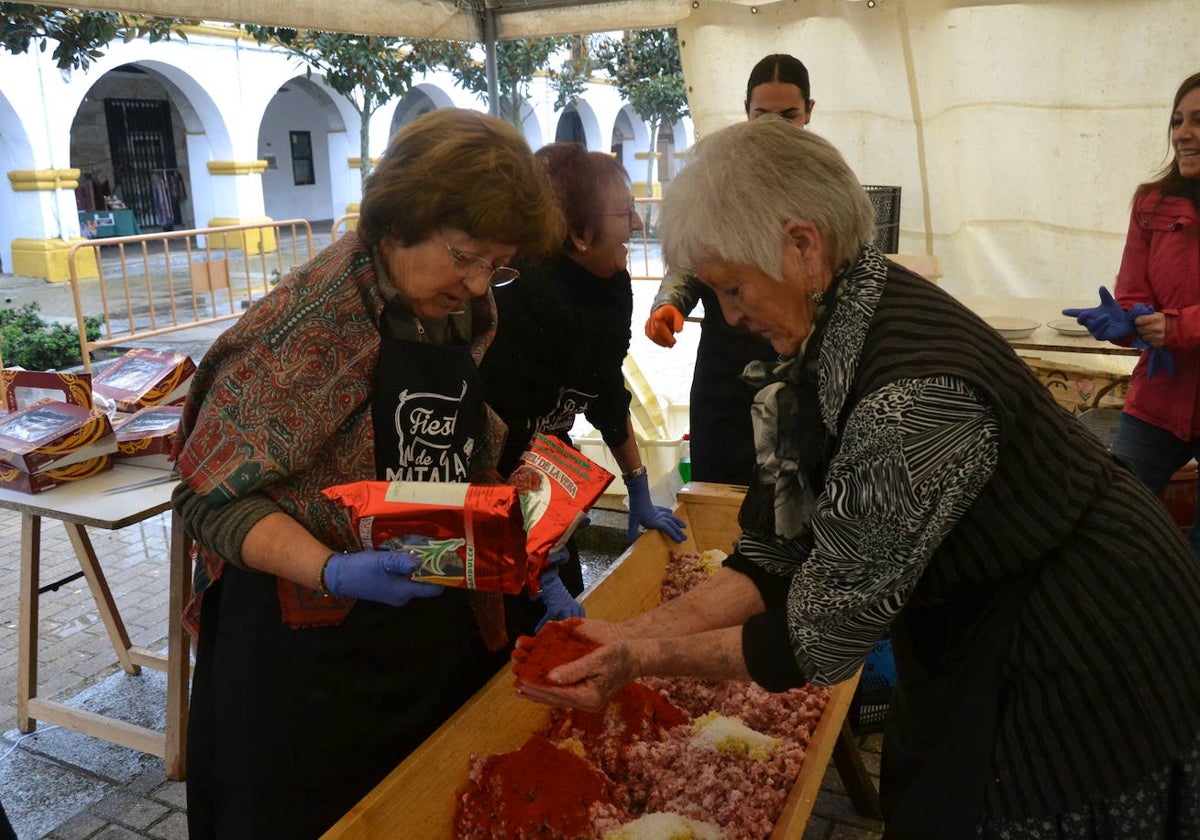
x: 662, y: 325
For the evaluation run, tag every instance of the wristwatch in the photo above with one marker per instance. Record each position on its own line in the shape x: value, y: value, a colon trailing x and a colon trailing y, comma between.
x: 636, y: 472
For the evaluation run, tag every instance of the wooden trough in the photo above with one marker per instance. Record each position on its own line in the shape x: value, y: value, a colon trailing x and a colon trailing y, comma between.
x: 417, y: 800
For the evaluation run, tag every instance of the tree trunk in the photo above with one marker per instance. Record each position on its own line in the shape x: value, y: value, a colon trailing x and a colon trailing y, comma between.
x: 364, y: 141
x: 651, y: 168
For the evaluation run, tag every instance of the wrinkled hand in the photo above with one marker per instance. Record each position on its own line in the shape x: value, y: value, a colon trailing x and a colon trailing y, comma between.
x: 1106, y: 322
x: 662, y: 325
x: 380, y: 576
x: 644, y: 513
x: 559, y: 603
x: 588, y: 682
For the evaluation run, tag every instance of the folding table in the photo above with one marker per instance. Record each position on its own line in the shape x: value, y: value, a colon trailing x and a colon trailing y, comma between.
x: 85, y: 504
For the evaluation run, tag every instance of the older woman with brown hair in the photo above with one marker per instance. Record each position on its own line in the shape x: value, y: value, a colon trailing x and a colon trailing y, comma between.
x: 913, y: 475
x: 564, y: 332
x: 319, y: 665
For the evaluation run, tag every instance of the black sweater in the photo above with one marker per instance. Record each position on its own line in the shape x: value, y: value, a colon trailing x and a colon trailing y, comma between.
x: 563, y: 334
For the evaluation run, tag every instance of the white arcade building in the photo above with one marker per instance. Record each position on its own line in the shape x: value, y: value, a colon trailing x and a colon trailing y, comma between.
x: 219, y: 130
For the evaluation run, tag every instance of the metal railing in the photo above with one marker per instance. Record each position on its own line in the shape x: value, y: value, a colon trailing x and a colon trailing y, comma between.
x: 158, y: 283
x: 645, y: 252
x: 342, y: 224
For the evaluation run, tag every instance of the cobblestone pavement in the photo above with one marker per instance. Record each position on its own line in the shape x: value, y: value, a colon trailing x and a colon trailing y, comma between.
x: 60, y: 784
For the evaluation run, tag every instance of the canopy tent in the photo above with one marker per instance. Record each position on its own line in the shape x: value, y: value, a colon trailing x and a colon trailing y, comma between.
x: 1017, y: 131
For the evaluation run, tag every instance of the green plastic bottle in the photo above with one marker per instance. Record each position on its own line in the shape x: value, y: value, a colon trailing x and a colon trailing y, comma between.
x: 685, y: 460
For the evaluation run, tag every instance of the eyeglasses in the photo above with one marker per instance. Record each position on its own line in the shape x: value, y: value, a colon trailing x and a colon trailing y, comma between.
x: 498, y: 275
x: 630, y: 214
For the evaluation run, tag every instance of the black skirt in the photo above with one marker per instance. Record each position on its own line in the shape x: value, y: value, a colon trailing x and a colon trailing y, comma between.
x: 290, y: 728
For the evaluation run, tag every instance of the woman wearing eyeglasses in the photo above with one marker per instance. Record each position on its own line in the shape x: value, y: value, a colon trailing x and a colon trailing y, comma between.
x: 564, y: 332
x: 320, y: 666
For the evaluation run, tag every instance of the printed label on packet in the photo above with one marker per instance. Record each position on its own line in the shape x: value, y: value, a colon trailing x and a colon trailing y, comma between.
x: 557, y: 486
x: 469, y: 536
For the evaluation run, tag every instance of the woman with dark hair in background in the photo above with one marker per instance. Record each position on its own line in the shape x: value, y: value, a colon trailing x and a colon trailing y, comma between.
x: 564, y: 331
x: 722, y: 443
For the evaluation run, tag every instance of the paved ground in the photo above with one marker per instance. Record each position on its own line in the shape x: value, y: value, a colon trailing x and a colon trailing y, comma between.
x: 60, y: 784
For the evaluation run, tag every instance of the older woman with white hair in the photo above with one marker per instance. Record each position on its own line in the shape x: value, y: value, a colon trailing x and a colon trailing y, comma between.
x: 913, y: 476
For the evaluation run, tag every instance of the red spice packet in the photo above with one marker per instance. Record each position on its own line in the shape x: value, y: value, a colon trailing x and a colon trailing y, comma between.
x: 557, y: 486
x: 557, y: 643
x: 474, y: 533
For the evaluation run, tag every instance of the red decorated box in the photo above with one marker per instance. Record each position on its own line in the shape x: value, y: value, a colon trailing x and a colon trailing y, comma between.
x: 146, y: 438
x: 24, y: 482
x: 22, y: 388
x: 144, y: 377
x: 54, y: 434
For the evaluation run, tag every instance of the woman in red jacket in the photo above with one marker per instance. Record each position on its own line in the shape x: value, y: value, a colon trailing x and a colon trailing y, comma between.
x: 1160, y: 428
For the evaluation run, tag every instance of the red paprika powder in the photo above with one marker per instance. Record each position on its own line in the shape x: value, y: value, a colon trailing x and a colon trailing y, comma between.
x: 558, y: 642
x: 538, y: 791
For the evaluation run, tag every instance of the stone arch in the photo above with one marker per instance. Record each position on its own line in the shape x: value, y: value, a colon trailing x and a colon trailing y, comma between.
x: 304, y: 139
x: 196, y: 116
x: 531, y: 127
x: 584, y: 122
x: 420, y: 99
x: 143, y: 191
x: 627, y: 137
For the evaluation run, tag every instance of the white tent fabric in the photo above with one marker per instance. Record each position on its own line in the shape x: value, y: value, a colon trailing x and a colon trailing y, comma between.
x: 1016, y: 130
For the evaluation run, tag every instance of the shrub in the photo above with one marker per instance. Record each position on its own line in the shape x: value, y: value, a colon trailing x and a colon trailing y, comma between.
x: 30, y: 342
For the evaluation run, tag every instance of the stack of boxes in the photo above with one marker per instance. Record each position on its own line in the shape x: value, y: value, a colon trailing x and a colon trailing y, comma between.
x: 51, y: 433
x: 54, y: 430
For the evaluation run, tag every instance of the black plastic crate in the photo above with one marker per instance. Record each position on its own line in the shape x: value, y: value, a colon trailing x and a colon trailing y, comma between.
x: 886, y: 201
x: 870, y: 704
x: 873, y: 697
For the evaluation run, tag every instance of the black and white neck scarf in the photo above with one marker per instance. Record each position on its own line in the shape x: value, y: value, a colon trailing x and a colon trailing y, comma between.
x: 799, y: 401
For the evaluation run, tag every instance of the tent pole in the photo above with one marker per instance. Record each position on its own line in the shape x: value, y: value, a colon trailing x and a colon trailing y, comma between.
x: 489, y: 46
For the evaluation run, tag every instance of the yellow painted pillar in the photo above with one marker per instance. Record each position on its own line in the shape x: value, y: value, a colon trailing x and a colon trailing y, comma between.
x: 47, y: 257
x: 260, y: 240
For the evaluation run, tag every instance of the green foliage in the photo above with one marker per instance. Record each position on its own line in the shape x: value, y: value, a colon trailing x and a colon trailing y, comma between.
x: 517, y: 62
x: 80, y: 35
x: 570, y: 79
x: 366, y: 69
x: 32, y: 343
x: 646, y: 69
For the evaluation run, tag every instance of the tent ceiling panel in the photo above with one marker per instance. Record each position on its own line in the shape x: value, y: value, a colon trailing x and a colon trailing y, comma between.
x: 421, y: 18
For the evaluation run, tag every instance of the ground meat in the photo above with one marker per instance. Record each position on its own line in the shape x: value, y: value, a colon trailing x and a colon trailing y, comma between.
x: 792, y: 714
x: 635, y: 713
x: 684, y: 571
x: 643, y: 744
x: 740, y: 794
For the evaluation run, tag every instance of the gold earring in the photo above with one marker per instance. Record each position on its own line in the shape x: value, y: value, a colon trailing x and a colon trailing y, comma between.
x: 816, y: 296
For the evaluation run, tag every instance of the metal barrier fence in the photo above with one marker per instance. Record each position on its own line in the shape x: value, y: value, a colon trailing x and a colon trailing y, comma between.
x: 342, y: 224
x: 180, y: 279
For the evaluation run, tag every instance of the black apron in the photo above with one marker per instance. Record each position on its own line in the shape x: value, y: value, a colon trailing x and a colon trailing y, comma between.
x: 722, y: 436
x: 291, y: 728
x: 942, y: 725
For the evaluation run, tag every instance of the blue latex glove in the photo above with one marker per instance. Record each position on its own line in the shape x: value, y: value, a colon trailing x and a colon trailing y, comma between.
x: 558, y: 601
x: 644, y: 513
x: 1106, y: 322
x: 380, y: 576
x: 1160, y: 357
